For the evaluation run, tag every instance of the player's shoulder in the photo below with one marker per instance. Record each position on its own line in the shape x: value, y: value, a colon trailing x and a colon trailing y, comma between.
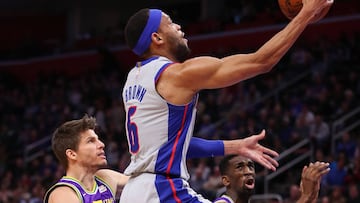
x: 223, y: 199
x: 220, y: 201
x: 63, y: 193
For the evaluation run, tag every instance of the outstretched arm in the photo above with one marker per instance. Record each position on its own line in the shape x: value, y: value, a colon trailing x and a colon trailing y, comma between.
x: 248, y: 147
x: 310, y: 181
x: 210, y: 73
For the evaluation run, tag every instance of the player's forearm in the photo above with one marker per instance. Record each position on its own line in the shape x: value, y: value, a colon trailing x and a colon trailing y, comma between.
x: 274, y: 49
x: 232, y: 146
x: 236, y: 68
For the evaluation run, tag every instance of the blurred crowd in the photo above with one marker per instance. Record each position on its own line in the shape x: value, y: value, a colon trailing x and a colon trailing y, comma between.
x: 194, y: 17
x: 329, y: 89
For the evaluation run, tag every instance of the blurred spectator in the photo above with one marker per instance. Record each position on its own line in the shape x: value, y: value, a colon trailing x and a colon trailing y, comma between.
x: 213, y: 183
x: 325, y: 199
x: 300, y: 132
x: 112, y: 154
x: 320, y: 132
x: 353, y: 194
x: 6, y: 194
x: 306, y: 115
x: 338, y: 171
x: 346, y: 145
x: 337, y: 195
x: 206, y: 127
x: 199, y: 175
x: 353, y: 175
x: 294, y: 194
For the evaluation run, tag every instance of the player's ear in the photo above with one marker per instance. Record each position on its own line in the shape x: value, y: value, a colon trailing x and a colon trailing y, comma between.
x: 156, y: 37
x: 71, y: 154
x: 225, y: 180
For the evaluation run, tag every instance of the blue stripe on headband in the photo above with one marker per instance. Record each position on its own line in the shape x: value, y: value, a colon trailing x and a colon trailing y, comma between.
x: 152, y: 25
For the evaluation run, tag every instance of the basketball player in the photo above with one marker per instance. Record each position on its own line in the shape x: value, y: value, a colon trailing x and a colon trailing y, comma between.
x: 81, y: 153
x: 160, y: 96
x: 238, y: 176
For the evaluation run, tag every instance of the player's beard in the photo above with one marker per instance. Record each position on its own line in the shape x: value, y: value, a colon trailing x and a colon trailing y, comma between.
x: 181, y: 51
x: 245, y: 193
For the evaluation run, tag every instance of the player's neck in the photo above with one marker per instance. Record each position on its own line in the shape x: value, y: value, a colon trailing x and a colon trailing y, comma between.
x: 161, y: 52
x: 235, y: 197
x: 85, y: 177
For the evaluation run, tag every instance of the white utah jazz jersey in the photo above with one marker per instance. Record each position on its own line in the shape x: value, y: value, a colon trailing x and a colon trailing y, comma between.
x: 158, y: 133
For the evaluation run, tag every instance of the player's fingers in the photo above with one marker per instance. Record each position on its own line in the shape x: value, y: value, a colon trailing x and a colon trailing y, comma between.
x: 264, y: 162
x: 323, y: 172
x: 310, y: 171
x: 318, y: 169
x: 323, y: 168
x: 269, y: 151
x: 329, y: 2
x: 271, y: 160
x: 304, y: 171
x: 322, y: 165
x: 260, y: 136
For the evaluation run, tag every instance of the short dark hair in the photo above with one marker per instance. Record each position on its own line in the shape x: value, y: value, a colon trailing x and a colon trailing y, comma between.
x: 135, y: 27
x: 224, y: 163
x: 67, y: 136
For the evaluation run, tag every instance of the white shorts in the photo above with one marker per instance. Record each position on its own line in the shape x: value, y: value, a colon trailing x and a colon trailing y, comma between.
x: 152, y: 188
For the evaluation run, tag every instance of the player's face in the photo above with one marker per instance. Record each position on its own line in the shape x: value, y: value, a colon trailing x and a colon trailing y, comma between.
x: 90, y: 151
x: 174, y: 38
x: 242, y: 175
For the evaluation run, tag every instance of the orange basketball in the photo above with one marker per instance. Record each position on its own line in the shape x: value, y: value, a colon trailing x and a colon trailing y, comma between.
x: 290, y: 8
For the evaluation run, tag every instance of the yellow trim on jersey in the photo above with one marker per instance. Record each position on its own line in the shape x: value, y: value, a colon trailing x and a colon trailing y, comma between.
x: 92, y: 191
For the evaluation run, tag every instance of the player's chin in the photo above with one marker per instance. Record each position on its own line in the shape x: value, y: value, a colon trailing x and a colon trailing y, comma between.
x: 103, y: 165
x: 103, y: 162
x: 246, y: 193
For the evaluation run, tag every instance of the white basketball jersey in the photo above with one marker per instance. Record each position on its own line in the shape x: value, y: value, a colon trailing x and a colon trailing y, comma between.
x: 158, y: 133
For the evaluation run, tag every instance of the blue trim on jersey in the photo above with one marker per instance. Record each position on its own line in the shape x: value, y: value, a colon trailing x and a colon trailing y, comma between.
x: 169, y: 158
x: 170, y: 154
x: 165, y: 187
x: 144, y: 62
x: 161, y: 70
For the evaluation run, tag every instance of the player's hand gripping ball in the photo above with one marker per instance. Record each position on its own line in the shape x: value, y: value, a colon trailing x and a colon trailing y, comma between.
x: 290, y: 8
